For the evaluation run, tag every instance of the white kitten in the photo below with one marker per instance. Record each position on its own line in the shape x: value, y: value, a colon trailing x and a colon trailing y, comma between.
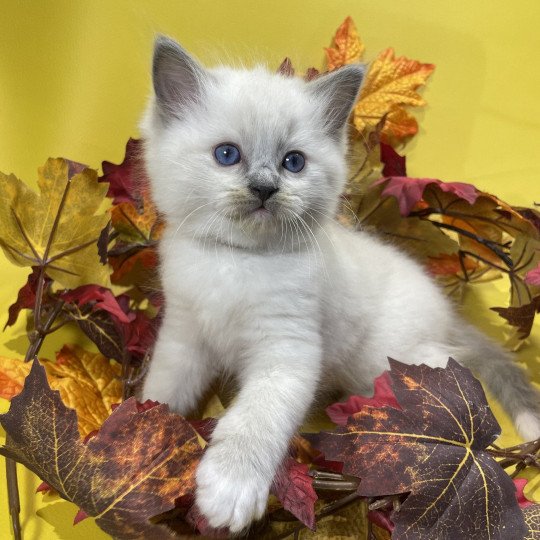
x: 261, y: 283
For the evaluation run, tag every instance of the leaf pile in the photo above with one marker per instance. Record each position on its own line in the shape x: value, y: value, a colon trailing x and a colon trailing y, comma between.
x: 415, y: 461
x: 120, y: 476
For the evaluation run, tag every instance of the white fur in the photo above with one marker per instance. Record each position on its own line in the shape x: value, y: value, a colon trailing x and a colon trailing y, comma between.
x: 286, y: 304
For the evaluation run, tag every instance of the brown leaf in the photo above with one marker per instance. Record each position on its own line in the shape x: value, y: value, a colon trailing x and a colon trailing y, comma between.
x: 26, y: 298
x: 434, y: 449
x: 521, y: 317
x: 286, y: 68
x: 532, y: 518
x: 132, y: 470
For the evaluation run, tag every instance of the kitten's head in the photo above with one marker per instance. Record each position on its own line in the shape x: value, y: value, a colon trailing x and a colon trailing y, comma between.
x: 246, y: 157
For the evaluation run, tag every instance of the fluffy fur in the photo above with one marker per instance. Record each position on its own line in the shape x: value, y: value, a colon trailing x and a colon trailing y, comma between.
x: 279, y: 296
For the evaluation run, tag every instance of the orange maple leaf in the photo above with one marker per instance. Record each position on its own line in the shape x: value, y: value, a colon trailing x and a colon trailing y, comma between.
x: 348, y: 47
x: 390, y: 84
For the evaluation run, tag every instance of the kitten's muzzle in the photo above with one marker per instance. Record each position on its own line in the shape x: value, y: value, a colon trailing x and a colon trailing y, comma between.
x: 264, y: 192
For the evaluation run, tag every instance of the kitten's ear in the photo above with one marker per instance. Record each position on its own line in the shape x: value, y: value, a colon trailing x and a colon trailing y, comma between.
x: 338, y: 91
x: 177, y: 77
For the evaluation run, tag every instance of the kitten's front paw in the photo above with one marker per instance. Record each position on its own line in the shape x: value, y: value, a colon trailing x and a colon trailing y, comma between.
x: 229, y: 494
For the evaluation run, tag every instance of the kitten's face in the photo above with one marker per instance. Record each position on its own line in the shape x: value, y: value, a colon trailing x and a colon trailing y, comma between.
x: 242, y: 157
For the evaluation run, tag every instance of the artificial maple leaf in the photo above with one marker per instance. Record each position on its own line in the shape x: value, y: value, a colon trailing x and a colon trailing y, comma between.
x: 132, y: 470
x: 433, y: 449
x: 286, y: 68
x: 399, y: 125
x: 383, y: 394
x: 532, y: 519
x: 57, y: 228
x: 139, y: 229
x: 87, y: 382
x: 409, y: 191
x: 126, y: 179
x: 102, y: 329
x: 100, y: 298
x: 26, y: 298
x: 450, y: 264
x: 294, y: 489
x: 521, y: 317
x: 394, y: 164
x: 390, y: 84
x: 12, y: 375
x: 311, y: 73
x: 348, y: 47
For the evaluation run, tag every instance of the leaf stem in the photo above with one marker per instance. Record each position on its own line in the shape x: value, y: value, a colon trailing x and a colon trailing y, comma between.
x: 13, y: 497
x: 326, y: 511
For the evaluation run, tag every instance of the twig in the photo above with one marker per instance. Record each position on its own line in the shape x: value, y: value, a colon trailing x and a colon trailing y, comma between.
x: 13, y: 497
x: 326, y: 511
x: 41, y: 331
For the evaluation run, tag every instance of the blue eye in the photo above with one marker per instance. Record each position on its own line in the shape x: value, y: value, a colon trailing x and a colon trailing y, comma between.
x: 294, y: 162
x: 227, y: 154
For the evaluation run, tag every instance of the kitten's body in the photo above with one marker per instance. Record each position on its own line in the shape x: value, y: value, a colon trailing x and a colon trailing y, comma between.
x: 275, y: 292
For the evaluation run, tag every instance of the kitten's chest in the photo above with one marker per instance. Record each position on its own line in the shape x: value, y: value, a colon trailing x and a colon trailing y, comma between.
x: 232, y: 293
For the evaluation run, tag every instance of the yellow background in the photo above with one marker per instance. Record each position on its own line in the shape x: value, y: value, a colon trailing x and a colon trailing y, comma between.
x: 74, y: 77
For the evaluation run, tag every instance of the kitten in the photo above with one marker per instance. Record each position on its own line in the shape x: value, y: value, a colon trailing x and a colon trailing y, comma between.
x: 259, y: 280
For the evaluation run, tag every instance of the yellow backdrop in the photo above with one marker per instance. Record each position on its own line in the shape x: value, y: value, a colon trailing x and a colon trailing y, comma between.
x: 74, y: 76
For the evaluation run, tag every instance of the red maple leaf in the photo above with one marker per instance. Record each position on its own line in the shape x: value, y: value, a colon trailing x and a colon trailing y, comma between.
x: 124, y: 179
x: 294, y: 488
x: 409, y: 191
x: 394, y: 164
x: 520, y: 486
x: 100, y: 298
x: 383, y: 394
x: 26, y: 298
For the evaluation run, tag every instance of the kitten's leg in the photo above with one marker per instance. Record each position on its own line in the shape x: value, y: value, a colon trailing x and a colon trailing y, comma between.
x: 179, y: 372
x: 251, y: 440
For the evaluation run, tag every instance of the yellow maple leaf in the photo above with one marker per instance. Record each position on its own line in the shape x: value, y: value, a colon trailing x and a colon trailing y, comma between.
x: 88, y: 382
x: 34, y: 233
x: 348, y: 47
x: 390, y: 84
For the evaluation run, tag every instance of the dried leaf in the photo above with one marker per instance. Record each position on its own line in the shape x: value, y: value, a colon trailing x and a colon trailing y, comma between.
x: 27, y: 220
x: 390, y: 84
x: 348, y: 47
x: 87, y: 382
x: 434, y: 449
x: 311, y: 73
x: 409, y: 191
x: 449, y: 264
x: 151, y: 463
x: 383, y: 394
x: 12, y: 375
x: 128, y: 178
x: 99, y: 298
x: 532, y: 518
x: 399, y: 125
x: 286, y: 68
x: 26, y: 298
x: 294, y: 488
x: 521, y: 317
x: 394, y: 164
